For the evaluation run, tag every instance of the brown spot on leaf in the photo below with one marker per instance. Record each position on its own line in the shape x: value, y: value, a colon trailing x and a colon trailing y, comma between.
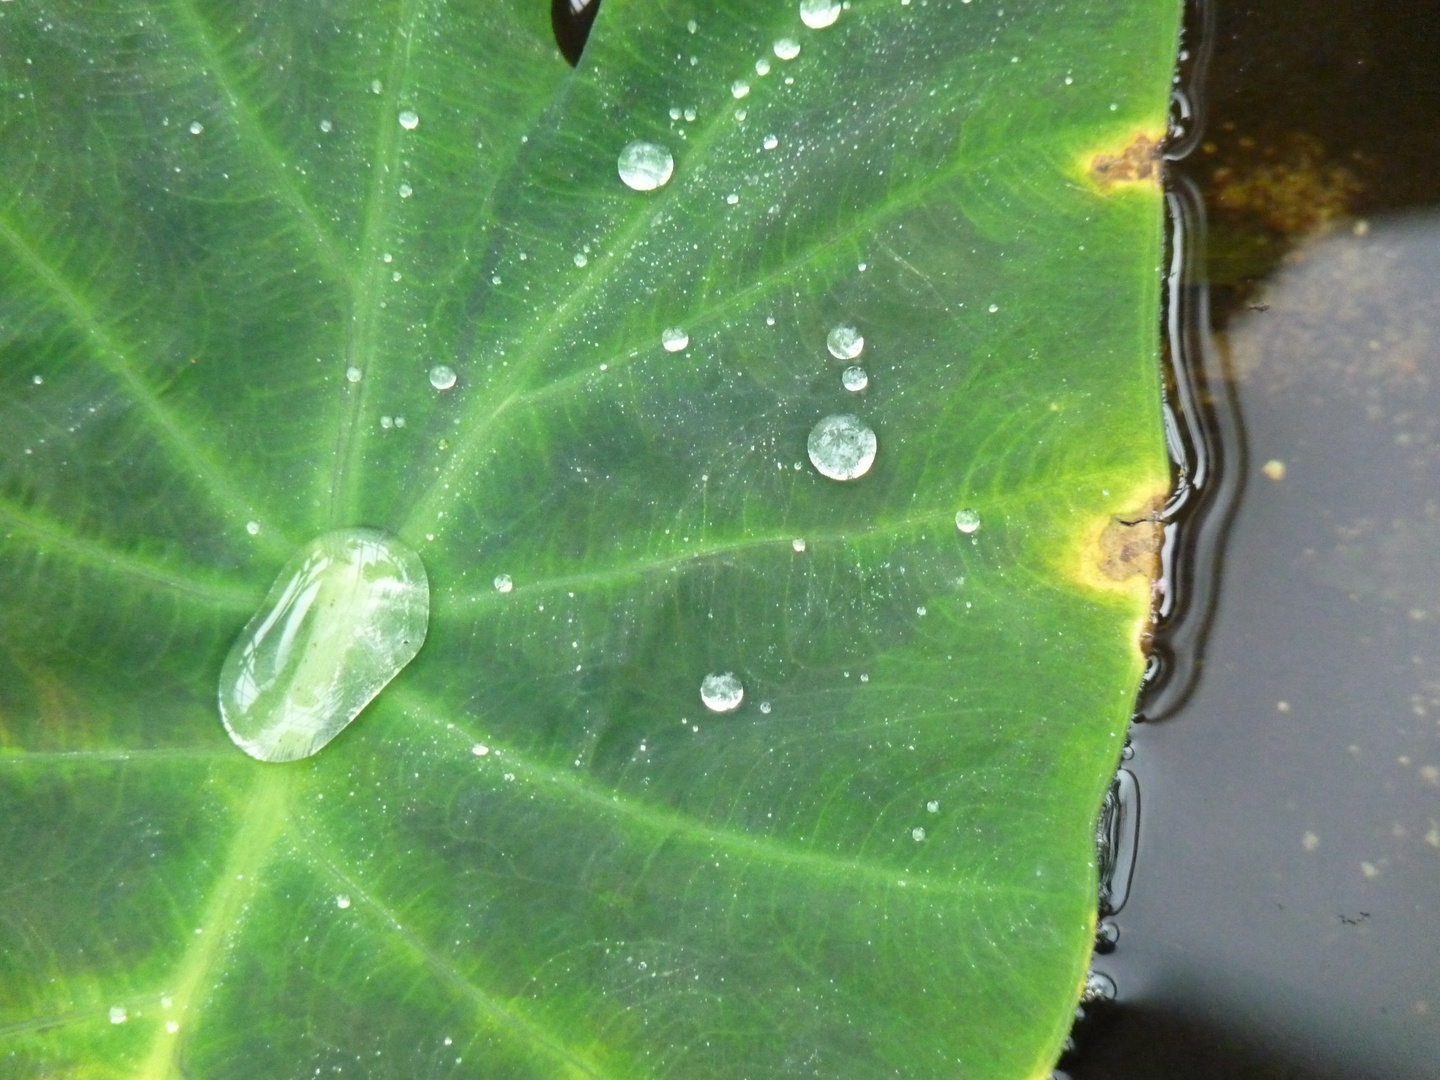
x: 1131, y: 545
x: 1137, y: 163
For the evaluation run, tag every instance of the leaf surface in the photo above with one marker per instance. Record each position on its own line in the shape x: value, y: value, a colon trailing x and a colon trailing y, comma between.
x: 226, y: 271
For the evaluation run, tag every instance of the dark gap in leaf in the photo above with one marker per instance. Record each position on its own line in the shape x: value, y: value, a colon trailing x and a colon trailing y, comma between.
x: 572, y: 20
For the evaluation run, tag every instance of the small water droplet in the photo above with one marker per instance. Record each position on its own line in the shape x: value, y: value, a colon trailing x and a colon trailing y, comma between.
x: 818, y: 14
x: 117, y: 1014
x: 690, y: 115
x: 798, y: 543
x: 994, y: 308
x: 967, y: 521
x: 386, y: 423
x: 674, y: 112
x: 442, y: 376
x: 38, y: 380
x: 841, y: 447
x: 503, y: 583
x: 732, y: 199
x: 581, y: 258
x: 196, y: 127
x: 674, y: 339
x: 387, y: 257
x: 406, y: 190
x: 353, y: 374
x: 409, y: 120
x: 739, y: 88
x: 645, y: 166
x: 342, y: 901
x: 765, y: 707
x: 1107, y: 936
x: 395, y: 275
x: 854, y: 379
x: 921, y: 611
x: 844, y: 342
x: 762, y: 66
x: 917, y: 834
x: 721, y: 693
x: 252, y: 527
x: 740, y: 115
x: 399, y: 421
x: 786, y: 48
x: 171, y: 1027
x: 326, y: 126
x: 375, y: 86
x: 1098, y: 987
x: 344, y: 616
x: 933, y: 806
x: 770, y: 142
x: 692, y: 26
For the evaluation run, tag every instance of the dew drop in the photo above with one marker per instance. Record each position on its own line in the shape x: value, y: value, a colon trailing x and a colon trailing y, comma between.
x: 326, y: 126
x: 581, y: 258
x: 196, y: 127
x: 741, y: 114
x: 818, y: 14
x: 765, y: 707
x: 253, y: 528
x: 933, y: 806
x: 798, y: 543
x: 353, y: 374
x: 967, y: 521
x: 117, y: 1014
x: 409, y: 120
x: 375, y: 86
x: 406, y: 190
x: 732, y: 199
x: 917, y: 834
x: 690, y: 115
x: 674, y: 339
x: 844, y: 342
x: 442, y: 376
x: 787, y: 48
x: 645, y: 166
x: 38, y: 380
x: 994, y: 308
x: 762, y: 66
x: 739, y: 88
x: 503, y: 583
x: 674, y: 112
x: 344, y: 617
x: 387, y: 423
x: 841, y: 447
x: 342, y: 901
x: 480, y: 749
x: 171, y: 1027
x: 721, y: 693
x: 770, y: 142
x: 854, y: 379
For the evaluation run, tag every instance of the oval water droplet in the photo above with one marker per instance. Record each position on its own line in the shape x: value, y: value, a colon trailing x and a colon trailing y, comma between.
x: 674, y: 339
x: 917, y: 834
x: 196, y: 127
x: 409, y: 120
x: 818, y: 14
x: 844, y: 342
x: 253, y: 528
x: 854, y: 379
x: 841, y: 447
x: 503, y: 583
x: 353, y: 374
x: 739, y: 88
x: 581, y: 259
x: 787, y: 48
x: 967, y: 521
x: 798, y: 543
x: 722, y: 693
x: 442, y: 376
x: 770, y: 142
x: 326, y: 126
x: 933, y: 806
x: 406, y: 190
x: 343, y: 618
x: 645, y: 166
x: 762, y: 66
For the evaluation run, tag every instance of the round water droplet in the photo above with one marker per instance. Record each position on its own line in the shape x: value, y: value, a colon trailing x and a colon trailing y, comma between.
x: 480, y: 749
x: 690, y: 115
x: 581, y: 258
x: 674, y: 112
x: 917, y: 834
x: 818, y: 14
x: 787, y: 48
x: 253, y: 528
x: 732, y: 199
x: 342, y: 901
x: 798, y: 543
x: 854, y: 379
x: 344, y: 616
x: 933, y: 806
x: 1098, y: 987
x: 645, y: 166
x: 326, y: 126
x: 741, y: 114
x: 171, y: 1027
x: 1107, y: 936
x: 762, y: 66
x: 994, y: 308
x: 765, y: 707
x: 442, y: 376
x: 739, y: 88
x: 353, y: 374
x: 387, y: 423
x: 967, y: 521
x: 721, y: 693
x: 117, y: 1014
x: 770, y: 142
x: 841, y: 447
x: 375, y: 86
x: 844, y: 342
x: 503, y: 584
x: 409, y: 120
x: 406, y: 190
x: 674, y: 339
x: 196, y: 127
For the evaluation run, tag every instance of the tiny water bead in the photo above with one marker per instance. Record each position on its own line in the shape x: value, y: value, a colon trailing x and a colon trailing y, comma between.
x: 798, y: 543
x: 196, y: 127
x: 933, y: 806
x: 406, y: 190
x: 770, y: 142
x: 503, y: 583
x: 645, y: 166
x: 342, y: 901
x: 917, y: 834
x: 967, y: 521
x: 344, y: 617
x: 253, y: 528
x: 442, y: 376
x: 841, y: 447
x: 326, y: 127
x: 674, y: 339
x: 721, y: 693
x: 739, y: 88
x: 581, y: 259
x: 409, y: 120
x: 818, y: 14
x: 844, y: 342
x: 762, y: 66
x: 117, y: 1014
x: 353, y: 374
x: 854, y: 379
x: 786, y: 48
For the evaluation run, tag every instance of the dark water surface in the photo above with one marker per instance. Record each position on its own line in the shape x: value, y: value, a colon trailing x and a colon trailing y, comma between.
x: 1284, y: 916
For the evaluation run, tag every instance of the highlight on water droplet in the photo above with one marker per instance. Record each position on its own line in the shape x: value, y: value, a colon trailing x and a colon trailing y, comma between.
x: 409, y: 120
x: 722, y: 693
x: 854, y: 379
x: 674, y: 339
x: 841, y: 447
x: 645, y: 166
x: 818, y: 14
x: 503, y: 583
x: 344, y: 617
x: 442, y: 376
x: 844, y: 342
x: 786, y: 48
x: 739, y: 88
x: 967, y: 521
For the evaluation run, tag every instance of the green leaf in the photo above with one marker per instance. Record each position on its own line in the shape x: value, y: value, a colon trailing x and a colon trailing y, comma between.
x: 537, y: 853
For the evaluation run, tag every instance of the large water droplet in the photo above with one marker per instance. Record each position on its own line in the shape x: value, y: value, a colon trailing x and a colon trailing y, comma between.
x: 854, y: 379
x: 844, y: 342
x: 442, y: 376
x: 818, y: 14
x: 722, y: 693
x: 674, y: 339
x: 787, y: 48
x: 645, y: 166
x: 967, y: 521
x: 409, y: 120
x: 346, y: 614
x: 841, y: 447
